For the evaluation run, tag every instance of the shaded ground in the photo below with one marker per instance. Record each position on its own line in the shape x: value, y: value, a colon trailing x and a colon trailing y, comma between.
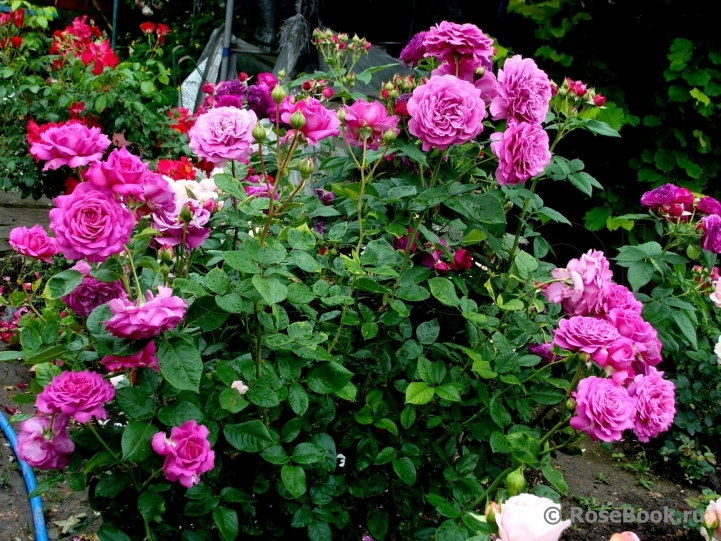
x: 603, y: 480
x: 60, y: 503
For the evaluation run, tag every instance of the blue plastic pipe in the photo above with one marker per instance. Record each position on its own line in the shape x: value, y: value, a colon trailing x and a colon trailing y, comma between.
x: 36, y: 504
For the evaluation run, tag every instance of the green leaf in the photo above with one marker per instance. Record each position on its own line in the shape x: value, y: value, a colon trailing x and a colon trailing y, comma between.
x: 369, y: 330
x: 262, y: 396
x: 305, y: 261
x: 227, y: 522
x: 297, y: 399
x: 45, y: 372
x: 601, y: 128
x: 135, y: 403
x: 293, y: 478
x: 62, y: 284
x: 444, y: 290
x: 408, y: 416
x: 240, y: 260
x: 135, y: 442
x: 178, y: 413
x: 301, y: 238
x: 232, y: 401
x: 700, y: 96
x: 101, y: 103
x: 499, y: 414
x: 270, y: 289
x: 385, y: 456
x: 180, y: 363
x: 419, y: 393
x: 414, y: 153
x: 328, y: 377
x: 428, y: 332
x: 151, y: 506
x: 251, y: 437
x: 108, y: 532
x: 526, y: 264
x: 449, y: 391
x: 524, y: 447
x: 217, y: 281
x: 319, y: 531
x: 443, y: 506
x: 46, y: 485
x: 387, y: 424
x: 554, y: 477
x: 553, y: 215
x: 481, y: 208
x: 110, y: 486
x: 686, y: 326
x: 275, y: 455
x: 405, y: 470
x: 6, y: 356
x: 639, y: 274
x: 206, y: 314
x: 307, y: 453
x: 377, y: 523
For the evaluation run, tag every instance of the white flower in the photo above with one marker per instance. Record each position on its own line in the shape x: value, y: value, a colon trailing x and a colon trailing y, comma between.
x: 341, y: 460
x: 717, y: 350
x: 716, y: 295
x: 239, y: 386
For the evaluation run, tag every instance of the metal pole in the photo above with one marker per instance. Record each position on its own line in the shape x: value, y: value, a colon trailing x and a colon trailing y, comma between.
x: 226, y: 39
x: 115, y: 23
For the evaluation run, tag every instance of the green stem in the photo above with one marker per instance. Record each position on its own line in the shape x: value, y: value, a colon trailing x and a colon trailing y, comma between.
x: 102, y: 441
x: 258, y: 344
x: 519, y: 229
x: 360, y: 199
x: 497, y: 481
x: 131, y: 264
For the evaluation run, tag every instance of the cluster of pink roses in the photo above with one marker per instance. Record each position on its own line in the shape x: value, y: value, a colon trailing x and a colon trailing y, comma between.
x: 606, y: 324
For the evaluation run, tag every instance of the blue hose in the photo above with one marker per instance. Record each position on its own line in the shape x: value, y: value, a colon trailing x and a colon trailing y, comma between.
x: 36, y: 504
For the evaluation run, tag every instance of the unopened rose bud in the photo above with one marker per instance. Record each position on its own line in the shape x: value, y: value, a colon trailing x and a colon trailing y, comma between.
x: 479, y: 73
x: 208, y: 88
x: 393, y: 95
x: 365, y: 133
x: 367, y: 46
x: 711, y: 518
x: 278, y: 94
x: 599, y: 100
x: 571, y: 404
x: 562, y: 91
x: 307, y: 85
x: 343, y: 37
x: 385, y: 94
x: 281, y: 74
x: 258, y: 133
x: 239, y: 386
x: 306, y: 167
x: 389, y: 137
x: 515, y: 481
x: 166, y: 253
x: 164, y: 269
x: 579, y: 89
x: 328, y: 92
x: 356, y: 39
x: 185, y: 214
x: 242, y: 76
x: 492, y: 509
x: 297, y: 120
x: 554, y: 89
x: 341, y: 115
x: 389, y: 86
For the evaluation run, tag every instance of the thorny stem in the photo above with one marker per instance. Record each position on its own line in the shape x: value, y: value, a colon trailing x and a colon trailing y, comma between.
x: 102, y: 441
x: 131, y: 264
x: 364, y: 179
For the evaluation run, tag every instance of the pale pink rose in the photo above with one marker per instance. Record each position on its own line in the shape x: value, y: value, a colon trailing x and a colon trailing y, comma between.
x: 79, y: 394
x: 72, y: 144
x: 655, y: 403
x: 121, y: 174
x: 522, y: 152
x: 624, y: 536
x: 239, y: 386
x: 525, y: 518
x: 712, y: 517
x: 445, y: 111
x: 187, y: 453
x: 366, y: 122
x: 524, y: 92
x: 585, y: 286
x: 173, y: 227
x: 33, y: 242
x: 44, y: 442
x: 90, y: 224
x: 136, y: 321
x: 320, y: 122
x: 222, y: 134
x: 717, y: 351
x: 604, y: 409
x: 145, y: 358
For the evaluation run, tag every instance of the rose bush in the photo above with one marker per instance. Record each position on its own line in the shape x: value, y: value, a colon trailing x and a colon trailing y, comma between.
x: 335, y: 338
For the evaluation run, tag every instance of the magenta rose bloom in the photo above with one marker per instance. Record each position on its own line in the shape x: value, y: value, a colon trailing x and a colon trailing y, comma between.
x: 711, y: 239
x: 524, y: 92
x: 145, y: 358
x: 91, y: 293
x: 229, y: 101
x: 44, y: 442
x: 89, y: 223
x: 462, y: 260
x: 222, y: 134
x: 401, y: 243
x: 72, y: 144
x: 187, y: 453
x: 79, y: 394
x: 630, y: 324
x: 522, y: 152
x: 661, y: 196
x: 157, y: 194
x: 122, y: 174
x: 414, y: 51
x: 33, y: 242
x: 172, y: 227
x: 319, y: 121
x: 488, y: 86
x: 325, y: 196
x: 136, y: 321
x: 367, y: 122
x: 445, y: 111
x: 709, y: 205
x: 620, y: 297
x: 230, y: 88
x: 655, y: 403
x: 266, y: 78
x: 450, y: 42
x: 586, y: 284
x: 603, y: 409
x: 543, y: 351
x: 260, y: 101
x: 620, y: 360
x: 587, y: 334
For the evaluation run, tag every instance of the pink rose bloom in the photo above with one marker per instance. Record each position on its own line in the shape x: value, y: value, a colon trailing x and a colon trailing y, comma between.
x: 683, y: 197
x: 122, y: 174
x: 91, y: 293
x: 524, y: 92
x: 462, y: 260
x: 222, y: 134
x: 266, y: 78
x: 260, y: 190
x: 145, y: 358
x: 401, y: 243
x: 655, y: 404
x: 716, y: 295
x: 709, y: 205
x: 464, y: 69
x: 88, y: 223
x: 72, y: 144
x: 522, y: 152
x: 187, y: 453
x: 79, y: 394
x: 525, y: 518
x: 624, y: 536
x: 712, y: 516
x: 586, y: 284
x: 621, y: 297
x: 661, y: 196
x: 445, y: 111
x: 543, y: 351
x: 319, y: 121
x: 239, y: 386
x: 33, y: 242
x: 44, y: 442
x: 645, y: 340
x: 587, y: 334
x: 260, y: 101
x: 450, y: 42
x: 711, y: 239
x: 620, y: 360
x: 136, y: 321
x: 368, y: 122
x: 157, y: 194
x: 488, y: 86
x: 603, y: 409
x: 172, y: 227
x: 414, y: 51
